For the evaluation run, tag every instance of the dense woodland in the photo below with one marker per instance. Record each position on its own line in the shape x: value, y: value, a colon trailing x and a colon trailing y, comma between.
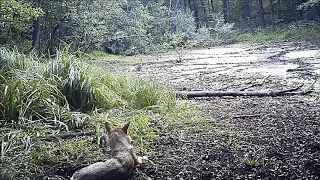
x: 132, y: 26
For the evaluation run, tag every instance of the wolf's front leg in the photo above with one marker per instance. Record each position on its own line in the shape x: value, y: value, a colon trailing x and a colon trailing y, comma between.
x: 141, y: 159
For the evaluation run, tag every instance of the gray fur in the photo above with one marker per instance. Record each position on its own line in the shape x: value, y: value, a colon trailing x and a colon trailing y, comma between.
x: 122, y: 162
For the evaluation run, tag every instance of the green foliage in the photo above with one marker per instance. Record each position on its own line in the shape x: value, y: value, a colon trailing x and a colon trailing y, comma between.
x: 308, y: 4
x: 183, y: 25
x: 77, y: 88
x: 221, y: 30
x: 127, y: 32
x: 127, y: 27
x: 297, y: 33
x: 251, y: 161
x: 135, y: 26
x: 17, y: 13
x: 16, y: 17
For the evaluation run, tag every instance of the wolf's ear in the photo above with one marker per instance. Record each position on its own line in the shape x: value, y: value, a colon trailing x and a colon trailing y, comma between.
x: 125, y: 128
x: 108, y: 127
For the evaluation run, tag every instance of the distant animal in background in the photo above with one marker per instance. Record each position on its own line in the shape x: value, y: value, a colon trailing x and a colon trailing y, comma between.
x: 123, y: 158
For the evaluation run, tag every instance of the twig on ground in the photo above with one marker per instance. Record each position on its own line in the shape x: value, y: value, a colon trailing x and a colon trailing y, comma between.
x: 257, y: 84
x: 151, y: 162
x: 246, y: 116
x: 66, y: 136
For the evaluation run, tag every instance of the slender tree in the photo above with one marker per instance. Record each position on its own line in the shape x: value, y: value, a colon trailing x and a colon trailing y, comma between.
x: 205, y: 15
x: 261, y: 12
x: 279, y: 9
x: 189, y: 3
x: 175, y: 9
x: 228, y: 10
x: 212, y: 6
x: 36, y: 31
x: 246, y: 10
x: 272, y: 12
x: 225, y: 10
x: 298, y: 3
x: 317, y: 7
x: 194, y: 7
x: 185, y: 5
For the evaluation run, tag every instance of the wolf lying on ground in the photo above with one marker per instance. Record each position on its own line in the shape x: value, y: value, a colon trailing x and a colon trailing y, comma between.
x: 122, y: 162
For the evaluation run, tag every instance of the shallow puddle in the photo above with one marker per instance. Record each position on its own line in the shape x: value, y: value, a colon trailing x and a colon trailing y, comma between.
x: 302, y: 54
x: 274, y: 70
x: 227, y: 60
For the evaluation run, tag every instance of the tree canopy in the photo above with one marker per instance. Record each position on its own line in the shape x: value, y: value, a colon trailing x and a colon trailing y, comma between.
x: 133, y: 26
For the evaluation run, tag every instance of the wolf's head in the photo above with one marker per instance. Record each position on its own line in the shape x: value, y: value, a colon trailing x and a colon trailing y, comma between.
x: 118, y: 135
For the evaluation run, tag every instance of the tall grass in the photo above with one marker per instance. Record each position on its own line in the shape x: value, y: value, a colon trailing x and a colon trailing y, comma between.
x: 38, y: 89
x: 41, y: 97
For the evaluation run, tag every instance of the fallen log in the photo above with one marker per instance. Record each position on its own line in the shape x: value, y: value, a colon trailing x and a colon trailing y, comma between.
x: 300, y: 69
x: 286, y: 92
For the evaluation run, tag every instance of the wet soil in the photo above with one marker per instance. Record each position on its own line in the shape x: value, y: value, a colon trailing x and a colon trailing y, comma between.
x: 250, y: 138
x: 246, y: 137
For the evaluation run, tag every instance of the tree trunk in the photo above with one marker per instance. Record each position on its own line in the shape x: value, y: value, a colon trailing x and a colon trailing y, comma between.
x: 169, y: 24
x: 279, y: 9
x: 261, y: 12
x: 246, y: 10
x: 317, y: 7
x: 53, y: 38
x: 225, y: 10
x: 272, y: 13
x: 228, y: 10
x: 36, y: 31
x: 169, y: 8
x: 194, y: 7
x: 203, y: 6
x: 300, y: 15
x: 190, y: 6
x: 212, y: 6
x: 185, y: 5
x: 175, y: 9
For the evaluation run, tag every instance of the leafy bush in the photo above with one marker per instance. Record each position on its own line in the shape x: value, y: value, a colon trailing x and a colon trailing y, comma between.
x: 219, y: 30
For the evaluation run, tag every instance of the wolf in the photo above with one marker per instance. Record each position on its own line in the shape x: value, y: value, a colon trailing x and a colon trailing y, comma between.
x: 123, y: 158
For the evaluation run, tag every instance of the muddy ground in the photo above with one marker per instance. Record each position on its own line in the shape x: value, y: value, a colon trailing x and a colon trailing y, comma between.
x: 251, y: 137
